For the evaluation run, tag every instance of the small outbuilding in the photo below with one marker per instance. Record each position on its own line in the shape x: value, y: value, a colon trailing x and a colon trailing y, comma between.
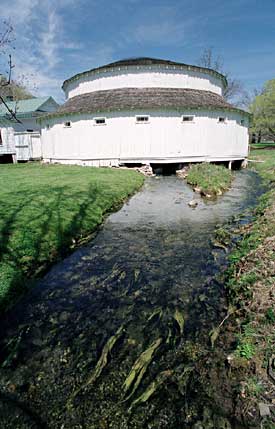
x: 145, y: 111
x: 20, y: 141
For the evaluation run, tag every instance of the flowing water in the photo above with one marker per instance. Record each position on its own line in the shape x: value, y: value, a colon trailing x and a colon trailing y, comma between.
x: 109, y: 338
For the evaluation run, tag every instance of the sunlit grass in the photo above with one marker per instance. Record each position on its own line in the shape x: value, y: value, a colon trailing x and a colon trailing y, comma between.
x: 265, y: 164
x: 45, y: 210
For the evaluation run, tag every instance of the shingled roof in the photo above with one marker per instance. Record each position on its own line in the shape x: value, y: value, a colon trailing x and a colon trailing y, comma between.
x: 145, y: 61
x: 123, y: 99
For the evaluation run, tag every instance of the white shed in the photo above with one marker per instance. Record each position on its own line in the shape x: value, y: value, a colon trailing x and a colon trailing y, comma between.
x: 20, y: 141
x: 146, y: 111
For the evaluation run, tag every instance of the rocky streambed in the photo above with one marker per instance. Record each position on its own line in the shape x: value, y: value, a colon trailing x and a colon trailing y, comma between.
x: 117, y: 335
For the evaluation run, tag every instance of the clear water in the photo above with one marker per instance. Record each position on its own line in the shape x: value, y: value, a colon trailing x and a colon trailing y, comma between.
x: 152, y: 258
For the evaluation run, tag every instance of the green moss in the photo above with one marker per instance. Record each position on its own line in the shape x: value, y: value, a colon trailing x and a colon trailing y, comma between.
x: 45, y: 210
x: 210, y: 178
x: 270, y: 315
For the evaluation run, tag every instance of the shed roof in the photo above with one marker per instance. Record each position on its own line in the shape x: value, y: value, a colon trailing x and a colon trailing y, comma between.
x: 139, y: 98
x: 25, y: 108
x: 145, y: 61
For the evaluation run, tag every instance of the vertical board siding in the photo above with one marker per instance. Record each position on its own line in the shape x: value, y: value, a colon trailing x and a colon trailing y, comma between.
x: 8, y: 145
x: 165, y: 136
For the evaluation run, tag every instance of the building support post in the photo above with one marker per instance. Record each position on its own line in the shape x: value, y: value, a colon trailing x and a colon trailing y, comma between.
x: 230, y: 165
x: 14, y: 159
x: 244, y: 163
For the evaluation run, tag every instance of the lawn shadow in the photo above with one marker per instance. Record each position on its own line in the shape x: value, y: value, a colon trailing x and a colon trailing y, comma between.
x: 49, y: 233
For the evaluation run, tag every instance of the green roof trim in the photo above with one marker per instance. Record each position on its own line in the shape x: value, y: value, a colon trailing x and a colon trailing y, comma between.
x: 25, y: 108
x: 145, y: 62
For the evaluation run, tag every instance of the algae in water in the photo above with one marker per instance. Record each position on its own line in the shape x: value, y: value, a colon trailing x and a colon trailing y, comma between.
x: 139, y: 368
x: 102, y: 362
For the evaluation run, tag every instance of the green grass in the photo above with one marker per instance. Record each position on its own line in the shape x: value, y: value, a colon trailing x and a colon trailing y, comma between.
x: 262, y: 228
x: 210, y: 178
x: 266, y: 166
x: 45, y: 210
x: 262, y: 145
x: 250, y: 284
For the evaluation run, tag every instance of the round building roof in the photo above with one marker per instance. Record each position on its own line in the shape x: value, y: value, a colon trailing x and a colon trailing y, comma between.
x: 125, y: 99
x: 145, y: 61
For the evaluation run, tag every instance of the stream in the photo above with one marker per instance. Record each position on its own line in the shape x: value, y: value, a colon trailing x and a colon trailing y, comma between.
x: 113, y: 335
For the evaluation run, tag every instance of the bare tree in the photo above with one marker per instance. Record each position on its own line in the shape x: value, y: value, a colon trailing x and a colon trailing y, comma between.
x: 235, y: 91
x: 208, y: 60
x: 6, y: 39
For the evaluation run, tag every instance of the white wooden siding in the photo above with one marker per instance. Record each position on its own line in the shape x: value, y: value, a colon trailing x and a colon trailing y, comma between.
x: 28, y: 146
x: 164, y: 139
x: 8, y: 146
x: 144, y: 76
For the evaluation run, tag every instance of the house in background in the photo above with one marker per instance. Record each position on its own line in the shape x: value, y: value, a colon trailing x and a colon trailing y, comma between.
x: 20, y: 141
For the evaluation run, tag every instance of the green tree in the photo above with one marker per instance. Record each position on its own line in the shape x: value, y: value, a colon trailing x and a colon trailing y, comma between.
x: 263, y: 110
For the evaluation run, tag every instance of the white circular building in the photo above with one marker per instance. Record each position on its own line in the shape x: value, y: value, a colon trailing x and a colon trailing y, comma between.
x: 145, y: 111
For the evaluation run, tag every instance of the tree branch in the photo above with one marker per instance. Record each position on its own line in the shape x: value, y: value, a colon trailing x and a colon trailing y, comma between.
x: 11, y: 112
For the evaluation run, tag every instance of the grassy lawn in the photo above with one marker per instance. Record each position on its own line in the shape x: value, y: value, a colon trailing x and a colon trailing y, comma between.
x: 45, y: 210
x: 266, y: 164
x: 262, y: 145
x: 251, y: 288
x: 211, y: 179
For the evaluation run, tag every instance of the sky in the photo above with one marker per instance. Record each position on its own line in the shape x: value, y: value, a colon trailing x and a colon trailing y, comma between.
x: 55, y: 39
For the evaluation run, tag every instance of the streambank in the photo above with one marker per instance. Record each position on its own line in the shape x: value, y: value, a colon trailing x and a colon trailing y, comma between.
x: 46, y: 211
x: 117, y: 335
x: 247, y: 342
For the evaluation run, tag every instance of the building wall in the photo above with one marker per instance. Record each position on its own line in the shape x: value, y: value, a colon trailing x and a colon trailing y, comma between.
x: 27, y: 124
x: 8, y: 145
x: 16, y: 140
x: 28, y: 146
x: 144, y: 76
x: 164, y: 139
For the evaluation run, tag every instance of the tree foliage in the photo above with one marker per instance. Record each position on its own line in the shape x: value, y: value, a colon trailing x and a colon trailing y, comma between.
x: 263, y: 110
x: 234, y: 92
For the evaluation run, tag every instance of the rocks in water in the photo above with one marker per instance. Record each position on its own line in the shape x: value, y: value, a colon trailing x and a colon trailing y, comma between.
x: 182, y: 173
x: 146, y: 170
x: 193, y: 204
x: 64, y: 316
x: 264, y: 409
x: 197, y: 189
x: 212, y: 421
